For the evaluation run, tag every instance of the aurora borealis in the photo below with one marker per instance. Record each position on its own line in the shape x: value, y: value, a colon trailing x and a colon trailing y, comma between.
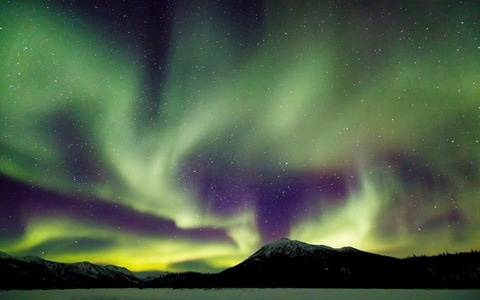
x: 183, y: 136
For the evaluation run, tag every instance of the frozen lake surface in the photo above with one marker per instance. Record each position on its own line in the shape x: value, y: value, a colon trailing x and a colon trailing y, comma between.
x: 250, y: 294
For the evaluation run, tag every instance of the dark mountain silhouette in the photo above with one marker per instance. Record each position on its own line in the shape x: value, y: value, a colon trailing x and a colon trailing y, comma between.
x: 296, y: 264
x: 284, y: 263
x: 287, y: 263
x: 31, y: 272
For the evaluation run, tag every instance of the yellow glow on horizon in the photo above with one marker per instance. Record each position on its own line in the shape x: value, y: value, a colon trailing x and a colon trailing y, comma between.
x: 133, y: 251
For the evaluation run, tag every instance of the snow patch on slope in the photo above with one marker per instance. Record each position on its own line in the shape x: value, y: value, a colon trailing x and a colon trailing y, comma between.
x: 290, y: 248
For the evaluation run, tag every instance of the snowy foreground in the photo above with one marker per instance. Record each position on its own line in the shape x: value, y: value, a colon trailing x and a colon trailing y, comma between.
x: 251, y: 294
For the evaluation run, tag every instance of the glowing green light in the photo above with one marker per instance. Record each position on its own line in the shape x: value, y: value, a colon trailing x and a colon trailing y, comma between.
x: 294, y: 98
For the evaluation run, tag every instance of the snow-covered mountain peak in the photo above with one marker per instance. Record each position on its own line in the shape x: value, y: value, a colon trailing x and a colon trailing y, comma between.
x: 289, y: 248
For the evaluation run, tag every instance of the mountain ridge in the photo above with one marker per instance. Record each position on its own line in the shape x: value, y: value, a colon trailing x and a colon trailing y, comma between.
x: 282, y: 263
x: 32, y: 272
x: 292, y: 248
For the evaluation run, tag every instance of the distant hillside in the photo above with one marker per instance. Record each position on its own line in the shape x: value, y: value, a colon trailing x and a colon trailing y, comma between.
x: 35, y: 273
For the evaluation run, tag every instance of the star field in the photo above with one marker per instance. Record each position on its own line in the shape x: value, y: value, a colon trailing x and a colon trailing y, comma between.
x: 184, y: 135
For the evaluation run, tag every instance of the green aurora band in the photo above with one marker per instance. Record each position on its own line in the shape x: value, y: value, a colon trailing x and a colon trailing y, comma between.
x: 340, y: 101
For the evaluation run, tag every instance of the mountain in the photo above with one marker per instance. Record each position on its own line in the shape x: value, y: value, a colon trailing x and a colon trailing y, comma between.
x: 31, y: 272
x: 294, y: 264
x: 287, y: 263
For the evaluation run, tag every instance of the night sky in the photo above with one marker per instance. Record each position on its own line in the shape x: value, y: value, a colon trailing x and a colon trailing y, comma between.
x: 183, y: 135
